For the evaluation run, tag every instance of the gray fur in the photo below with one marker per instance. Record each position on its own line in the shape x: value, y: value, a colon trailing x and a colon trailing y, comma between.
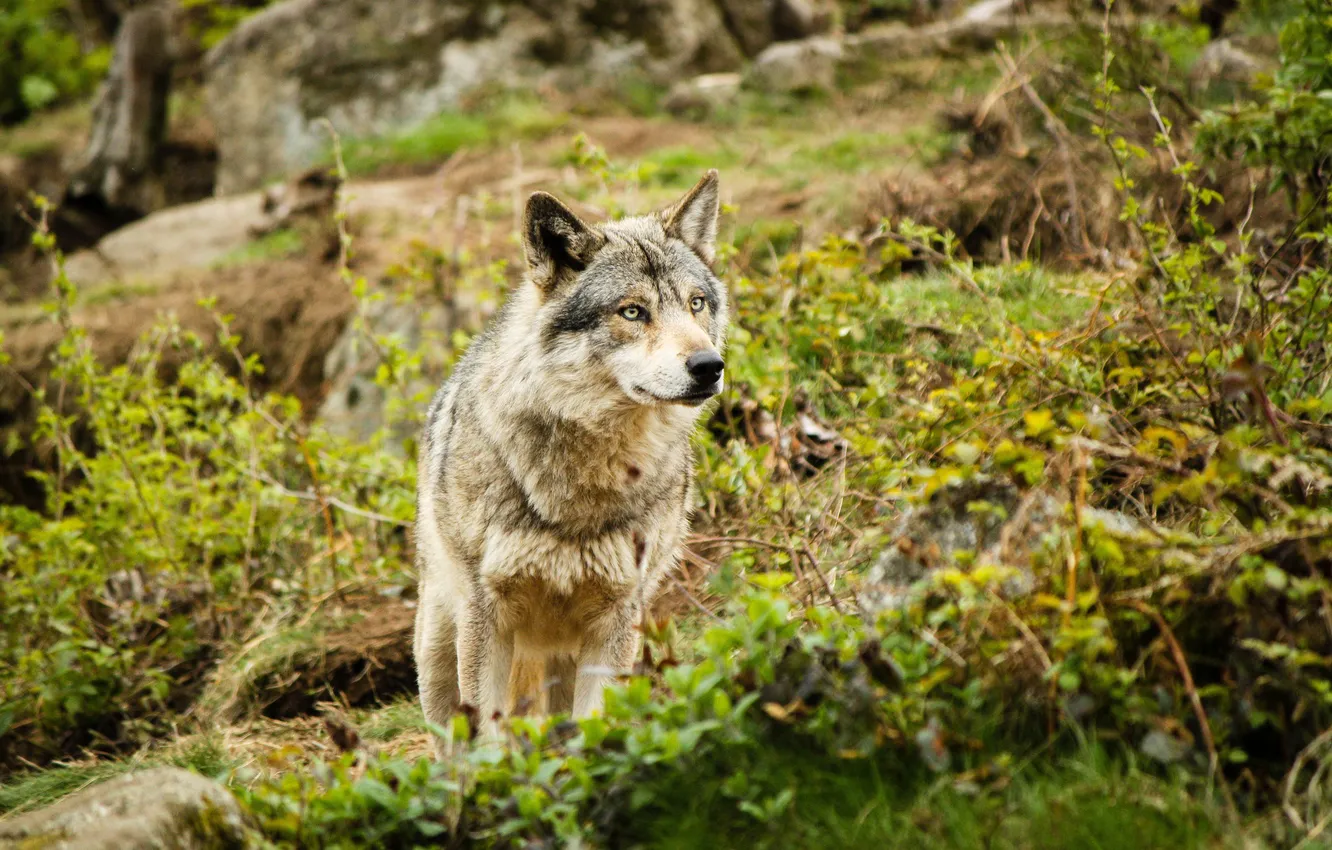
x: 555, y: 466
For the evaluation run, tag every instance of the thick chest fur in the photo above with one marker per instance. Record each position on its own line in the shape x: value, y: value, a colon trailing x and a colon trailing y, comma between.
x: 566, y: 510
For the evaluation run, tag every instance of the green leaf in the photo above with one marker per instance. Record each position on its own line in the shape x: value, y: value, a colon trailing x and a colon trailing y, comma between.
x: 37, y: 92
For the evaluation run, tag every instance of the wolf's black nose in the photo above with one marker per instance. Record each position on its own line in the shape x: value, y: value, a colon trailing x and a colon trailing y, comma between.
x: 705, y: 367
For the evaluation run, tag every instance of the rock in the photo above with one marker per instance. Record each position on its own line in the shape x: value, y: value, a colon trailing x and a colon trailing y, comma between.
x: 797, y: 19
x: 979, y: 31
x: 992, y: 522
x: 200, y: 234
x: 356, y: 406
x: 972, y: 516
x: 165, y: 808
x: 755, y: 24
x: 1222, y: 61
x: 702, y: 95
x: 1164, y: 748
x: 188, y: 236
x: 749, y: 22
x: 378, y: 66
x: 796, y: 66
x: 987, y: 10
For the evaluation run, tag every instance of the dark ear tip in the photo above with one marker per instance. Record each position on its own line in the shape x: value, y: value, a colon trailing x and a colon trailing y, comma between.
x: 540, y: 199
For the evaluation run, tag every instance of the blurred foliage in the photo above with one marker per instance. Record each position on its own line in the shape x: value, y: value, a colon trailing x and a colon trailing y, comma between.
x: 176, y: 499
x: 42, y: 63
x: 1288, y: 129
x: 50, y: 54
x: 210, y: 21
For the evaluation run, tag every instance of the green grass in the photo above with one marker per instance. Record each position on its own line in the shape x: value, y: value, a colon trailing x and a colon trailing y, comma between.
x: 34, y: 790
x: 509, y: 118
x: 47, y: 132
x: 238, y: 687
x: 388, y: 722
x: 1086, y: 802
x: 284, y: 242
x: 858, y: 151
x: 1029, y: 297
x: 680, y: 167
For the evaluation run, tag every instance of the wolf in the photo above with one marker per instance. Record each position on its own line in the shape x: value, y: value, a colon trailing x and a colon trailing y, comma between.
x: 555, y: 469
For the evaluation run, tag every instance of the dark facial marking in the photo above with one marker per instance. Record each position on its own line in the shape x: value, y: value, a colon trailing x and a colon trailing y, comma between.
x: 583, y: 310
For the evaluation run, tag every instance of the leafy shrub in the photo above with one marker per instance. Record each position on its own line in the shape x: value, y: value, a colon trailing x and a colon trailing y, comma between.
x: 1290, y: 130
x: 41, y: 61
x: 181, y: 508
x: 210, y: 21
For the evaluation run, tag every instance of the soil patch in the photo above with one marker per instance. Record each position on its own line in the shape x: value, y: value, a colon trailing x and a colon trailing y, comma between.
x: 357, y: 658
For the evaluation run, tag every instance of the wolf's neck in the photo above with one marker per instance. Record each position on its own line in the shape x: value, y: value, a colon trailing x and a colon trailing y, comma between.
x: 594, y: 474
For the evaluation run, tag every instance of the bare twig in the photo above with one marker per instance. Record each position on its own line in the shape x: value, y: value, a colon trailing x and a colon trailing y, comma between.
x: 1177, y: 653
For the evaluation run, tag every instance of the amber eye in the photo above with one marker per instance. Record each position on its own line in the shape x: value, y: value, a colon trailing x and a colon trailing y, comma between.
x: 697, y: 303
x: 633, y: 313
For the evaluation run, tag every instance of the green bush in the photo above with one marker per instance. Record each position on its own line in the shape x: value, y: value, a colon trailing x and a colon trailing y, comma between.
x: 210, y: 21
x: 181, y: 508
x: 1289, y: 130
x: 41, y: 61
x: 793, y: 730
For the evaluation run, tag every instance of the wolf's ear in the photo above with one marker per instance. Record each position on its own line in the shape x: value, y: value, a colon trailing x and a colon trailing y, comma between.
x: 694, y: 219
x: 558, y: 244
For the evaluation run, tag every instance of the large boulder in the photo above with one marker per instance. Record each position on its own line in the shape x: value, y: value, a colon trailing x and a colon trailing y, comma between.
x: 797, y: 66
x: 165, y: 808
x: 375, y: 66
x: 758, y: 23
x: 702, y: 95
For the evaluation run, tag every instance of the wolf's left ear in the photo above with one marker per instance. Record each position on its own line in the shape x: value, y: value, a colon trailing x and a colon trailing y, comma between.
x: 557, y: 242
x: 694, y: 219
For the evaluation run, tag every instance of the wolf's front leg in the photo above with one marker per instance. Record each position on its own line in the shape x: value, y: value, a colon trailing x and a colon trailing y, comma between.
x: 605, y: 654
x: 485, y: 656
x: 436, y: 649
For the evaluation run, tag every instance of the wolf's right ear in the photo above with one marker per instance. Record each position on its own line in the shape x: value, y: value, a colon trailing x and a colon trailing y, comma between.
x: 558, y: 244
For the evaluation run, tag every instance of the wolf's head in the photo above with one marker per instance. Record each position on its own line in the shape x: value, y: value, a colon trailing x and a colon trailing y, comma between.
x: 632, y: 302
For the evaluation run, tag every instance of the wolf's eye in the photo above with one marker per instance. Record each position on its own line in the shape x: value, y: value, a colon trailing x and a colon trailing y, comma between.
x: 632, y: 313
x: 697, y: 303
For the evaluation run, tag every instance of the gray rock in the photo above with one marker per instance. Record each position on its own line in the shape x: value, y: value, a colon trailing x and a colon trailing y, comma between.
x: 702, y: 95
x: 165, y: 808
x: 378, y: 66
x: 978, y: 29
x: 929, y: 536
x: 1222, y: 61
x: 988, y: 10
x: 203, y: 233
x: 1164, y: 748
x: 990, y: 520
x: 188, y: 236
x: 750, y: 23
x: 797, y: 19
x: 795, y: 66
x: 356, y: 406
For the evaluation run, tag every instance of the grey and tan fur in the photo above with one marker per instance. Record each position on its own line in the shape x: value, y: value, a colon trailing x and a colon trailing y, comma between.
x: 556, y: 467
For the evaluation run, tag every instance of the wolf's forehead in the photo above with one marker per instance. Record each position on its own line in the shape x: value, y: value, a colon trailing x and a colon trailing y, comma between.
x: 638, y: 248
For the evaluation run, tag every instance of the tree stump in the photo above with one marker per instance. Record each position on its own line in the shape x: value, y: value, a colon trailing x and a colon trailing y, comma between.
x: 119, y: 170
